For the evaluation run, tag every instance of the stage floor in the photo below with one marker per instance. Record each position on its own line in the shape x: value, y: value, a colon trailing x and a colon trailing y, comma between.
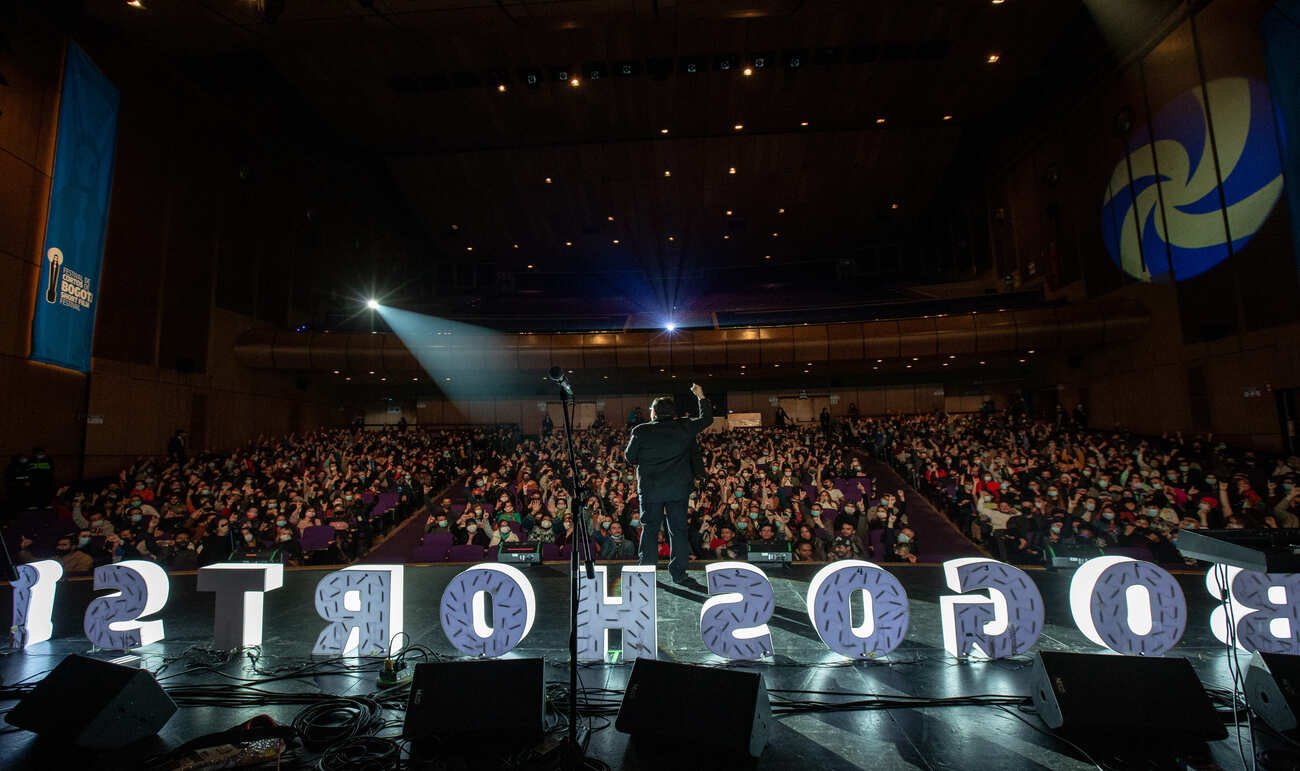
x: 974, y: 737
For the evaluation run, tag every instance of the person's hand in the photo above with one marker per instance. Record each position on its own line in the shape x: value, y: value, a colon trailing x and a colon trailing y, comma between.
x: 697, y: 390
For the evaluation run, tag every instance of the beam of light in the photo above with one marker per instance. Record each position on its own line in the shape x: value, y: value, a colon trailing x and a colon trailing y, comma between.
x: 462, y: 359
x: 372, y: 304
x: 670, y: 326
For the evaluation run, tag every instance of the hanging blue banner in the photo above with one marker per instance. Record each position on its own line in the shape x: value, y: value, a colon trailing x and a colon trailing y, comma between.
x: 63, y: 327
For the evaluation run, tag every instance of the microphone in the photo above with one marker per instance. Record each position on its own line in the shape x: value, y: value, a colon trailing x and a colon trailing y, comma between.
x: 558, y: 377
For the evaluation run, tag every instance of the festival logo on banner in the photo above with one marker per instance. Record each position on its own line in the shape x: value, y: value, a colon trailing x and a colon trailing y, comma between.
x: 1191, y: 225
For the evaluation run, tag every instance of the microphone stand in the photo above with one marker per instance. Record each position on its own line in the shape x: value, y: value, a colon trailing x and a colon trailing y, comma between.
x: 575, y: 757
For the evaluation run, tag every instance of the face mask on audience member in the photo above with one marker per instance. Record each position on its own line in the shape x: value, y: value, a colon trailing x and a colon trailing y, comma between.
x: 604, y: 525
x: 471, y: 529
x: 1108, y: 515
x: 547, y: 524
x: 248, y: 537
x: 281, y: 522
x: 904, y: 538
x: 504, y: 529
x: 1089, y: 505
x: 741, y: 525
x: 1056, y: 528
x: 83, y: 540
x: 442, y: 521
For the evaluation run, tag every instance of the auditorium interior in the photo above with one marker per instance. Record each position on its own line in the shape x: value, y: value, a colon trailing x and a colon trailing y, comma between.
x: 330, y: 332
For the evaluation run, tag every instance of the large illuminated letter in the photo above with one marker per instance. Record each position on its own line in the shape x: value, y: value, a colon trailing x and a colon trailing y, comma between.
x: 464, y: 609
x: 363, y: 604
x: 885, y: 611
x: 240, y: 587
x: 34, y: 602
x: 1129, y: 606
x: 734, y: 625
x: 1005, y: 622
x: 1265, y: 608
x: 112, y: 621
x: 633, y: 613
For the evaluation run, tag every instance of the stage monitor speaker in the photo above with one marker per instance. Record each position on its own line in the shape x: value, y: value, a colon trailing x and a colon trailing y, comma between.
x: 663, y: 702
x: 94, y: 704
x: 1271, y: 683
x: 1087, y: 692
x: 488, y: 696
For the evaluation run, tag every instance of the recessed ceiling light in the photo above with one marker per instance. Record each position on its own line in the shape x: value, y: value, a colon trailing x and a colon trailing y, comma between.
x: 879, y: 121
x: 805, y: 372
x: 880, y: 361
x: 738, y: 126
x: 336, y: 372
x: 501, y: 87
x: 748, y: 71
x: 530, y: 267
x: 1031, y: 350
x: 610, y: 218
x: 999, y: 2
x: 731, y: 170
x: 615, y: 242
x: 672, y: 238
x: 993, y: 58
x: 415, y: 380
x: 909, y: 366
x: 667, y: 173
x: 516, y: 246
x: 1022, y: 361
x: 548, y: 181
x: 780, y: 211
x: 774, y: 235
x: 767, y: 256
x: 347, y: 378
x: 915, y: 359
x: 575, y: 82
x: 568, y: 243
x: 952, y: 355
x: 457, y: 227
x: 469, y: 248
x: 383, y: 380
x: 663, y: 131
x: 893, y: 206
x: 447, y: 379
x: 947, y: 117
x: 135, y: 4
x: 981, y: 363
x: 776, y: 365
x: 372, y: 372
x: 875, y: 367
x: 728, y: 212
x: 803, y: 123
x: 726, y: 237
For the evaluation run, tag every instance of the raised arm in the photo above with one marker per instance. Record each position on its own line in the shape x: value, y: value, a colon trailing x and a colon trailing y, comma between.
x: 706, y: 410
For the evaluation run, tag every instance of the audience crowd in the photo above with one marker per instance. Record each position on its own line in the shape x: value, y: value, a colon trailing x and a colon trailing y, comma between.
x: 1030, y: 490
x: 253, y: 504
x: 793, y: 489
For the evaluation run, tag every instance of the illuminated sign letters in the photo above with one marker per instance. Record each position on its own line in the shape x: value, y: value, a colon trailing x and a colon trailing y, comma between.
x: 464, y: 609
x: 1131, y: 607
x: 634, y: 613
x: 112, y: 621
x: 34, y: 602
x: 733, y: 622
x: 1265, y: 609
x: 240, y: 588
x: 363, y: 604
x: 885, y: 612
x: 1004, y: 622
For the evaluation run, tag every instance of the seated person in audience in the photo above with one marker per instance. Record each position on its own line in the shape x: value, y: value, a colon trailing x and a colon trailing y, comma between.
x: 288, y: 547
x: 807, y: 551
x: 503, y: 534
x: 769, y: 539
x: 74, y: 560
x: 25, y: 553
x: 544, y: 530
x: 613, y: 546
x: 726, y: 545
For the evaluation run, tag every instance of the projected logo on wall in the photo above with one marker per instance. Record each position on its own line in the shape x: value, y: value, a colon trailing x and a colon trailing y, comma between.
x: 1192, y: 223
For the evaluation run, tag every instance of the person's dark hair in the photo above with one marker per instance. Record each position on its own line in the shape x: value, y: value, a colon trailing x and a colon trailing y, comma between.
x: 664, y: 408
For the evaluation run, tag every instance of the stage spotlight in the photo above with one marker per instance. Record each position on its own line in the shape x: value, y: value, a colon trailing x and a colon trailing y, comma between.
x: 670, y: 326
x: 372, y: 304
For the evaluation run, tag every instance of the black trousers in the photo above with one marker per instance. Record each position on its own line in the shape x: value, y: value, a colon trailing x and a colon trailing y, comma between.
x: 653, y: 513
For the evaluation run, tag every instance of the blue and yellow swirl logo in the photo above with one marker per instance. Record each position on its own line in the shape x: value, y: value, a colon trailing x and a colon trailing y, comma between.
x: 1188, y: 237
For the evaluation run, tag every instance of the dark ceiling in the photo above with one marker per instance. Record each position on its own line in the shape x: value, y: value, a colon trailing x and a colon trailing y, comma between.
x: 683, y: 172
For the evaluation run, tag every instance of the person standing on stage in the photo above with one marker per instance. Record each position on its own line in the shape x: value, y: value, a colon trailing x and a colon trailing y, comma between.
x: 661, y: 451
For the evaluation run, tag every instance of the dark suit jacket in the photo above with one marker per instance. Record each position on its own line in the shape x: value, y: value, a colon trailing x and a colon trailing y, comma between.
x: 661, y: 452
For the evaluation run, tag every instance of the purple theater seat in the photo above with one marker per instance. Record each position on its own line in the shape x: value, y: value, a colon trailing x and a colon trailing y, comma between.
x: 367, y: 498
x: 466, y: 553
x: 433, y: 548
x: 458, y: 508
x: 489, y: 509
x: 550, y: 552
x: 317, y: 537
x: 876, y: 542
x: 812, y: 492
x: 566, y: 551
